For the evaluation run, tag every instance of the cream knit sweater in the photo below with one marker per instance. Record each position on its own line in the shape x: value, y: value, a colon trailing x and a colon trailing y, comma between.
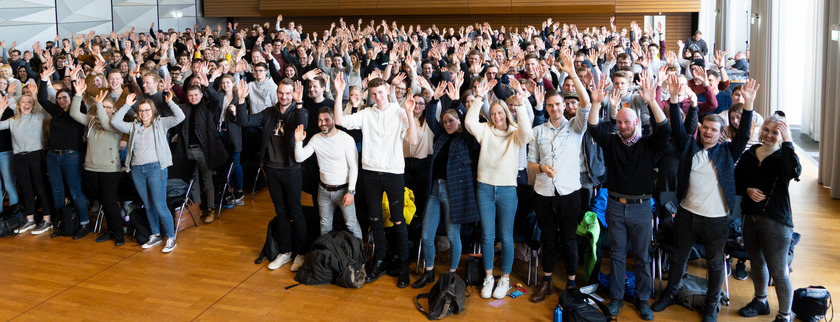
x: 498, y: 161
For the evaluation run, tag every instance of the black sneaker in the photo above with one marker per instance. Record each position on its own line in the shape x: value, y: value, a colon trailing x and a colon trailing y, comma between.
x: 29, y: 225
x: 403, y: 278
x: 740, y: 271
x: 614, y: 306
x: 84, y: 229
x: 106, y: 236
x: 755, y: 307
x: 665, y: 300
x: 644, y: 310
x: 782, y: 318
x: 42, y: 227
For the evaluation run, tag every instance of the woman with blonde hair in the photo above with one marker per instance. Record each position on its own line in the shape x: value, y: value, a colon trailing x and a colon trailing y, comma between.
x: 149, y: 157
x: 763, y: 176
x: 501, y: 140
x: 26, y: 128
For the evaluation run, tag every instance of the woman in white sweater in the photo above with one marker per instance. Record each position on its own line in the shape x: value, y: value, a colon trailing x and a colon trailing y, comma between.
x: 501, y: 140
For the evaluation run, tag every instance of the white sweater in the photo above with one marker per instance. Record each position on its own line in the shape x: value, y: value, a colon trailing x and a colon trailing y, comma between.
x: 498, y: 161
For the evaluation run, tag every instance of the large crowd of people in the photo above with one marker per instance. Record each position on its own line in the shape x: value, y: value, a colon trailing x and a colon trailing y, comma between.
x: 481, y: 124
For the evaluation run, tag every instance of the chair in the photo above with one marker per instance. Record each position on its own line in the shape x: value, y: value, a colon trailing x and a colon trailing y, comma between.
x: 226, y: 189
x: 256, y: 178
x: 183, y: 169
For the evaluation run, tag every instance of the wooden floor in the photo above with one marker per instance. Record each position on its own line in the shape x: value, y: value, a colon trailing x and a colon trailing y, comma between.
x: 212, y: 276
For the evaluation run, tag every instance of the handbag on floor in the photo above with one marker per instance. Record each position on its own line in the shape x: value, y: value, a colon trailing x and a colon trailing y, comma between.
x: 446, y: 297
x: 812, y: 303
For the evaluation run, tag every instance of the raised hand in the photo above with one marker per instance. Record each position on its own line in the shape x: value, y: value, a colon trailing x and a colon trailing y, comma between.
x: 452, y: 91
x: 599, y: 93
x: 409, y: 106
x: 673, y: 87
x: 168, y: 97
x: 4, y: 103
x: 648, y: 89
x: 339, y: 82
x: 80, y: 86
x: 45, y: 75
x: 567, y: 64
x: 784, y: 130
x: 300, y: 134
x: 297, y: 95
x: 130, y: 99
x: 749, y: 90
x: 539, y: 95
x: 615, y: 98
x: 101, y: 96
x: 242, y: 90
x: 720, y: 58
x: 439, y: 90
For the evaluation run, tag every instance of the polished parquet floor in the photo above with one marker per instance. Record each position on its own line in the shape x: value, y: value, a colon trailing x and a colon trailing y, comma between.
x: 212, y: 276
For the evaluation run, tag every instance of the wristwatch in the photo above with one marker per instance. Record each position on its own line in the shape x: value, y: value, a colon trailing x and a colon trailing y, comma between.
x: 352, y: 192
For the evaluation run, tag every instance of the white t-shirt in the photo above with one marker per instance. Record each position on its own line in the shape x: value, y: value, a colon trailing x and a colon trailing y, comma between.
x: 704, y: 196
x: 336, y: 157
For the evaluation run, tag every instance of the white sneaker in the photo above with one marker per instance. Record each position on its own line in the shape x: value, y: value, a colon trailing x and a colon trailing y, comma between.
x: 501, y: 288
x: 281, y: 260
x: 487, y: 287
x: 297, y: 263
x: 153, y: 240
x: 29, y: 225
x: 170, y: 245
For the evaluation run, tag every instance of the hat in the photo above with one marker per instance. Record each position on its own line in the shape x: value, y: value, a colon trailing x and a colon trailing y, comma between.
x: 699, y: 62
x: 571, y: 94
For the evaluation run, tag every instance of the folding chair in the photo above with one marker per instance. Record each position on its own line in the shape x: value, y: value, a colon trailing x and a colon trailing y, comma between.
x: 256, y: 178
x: 226, y: 189
x: 185, y: 170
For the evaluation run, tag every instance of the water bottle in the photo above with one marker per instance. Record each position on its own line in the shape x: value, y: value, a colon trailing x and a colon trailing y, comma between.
x: 558, y: 314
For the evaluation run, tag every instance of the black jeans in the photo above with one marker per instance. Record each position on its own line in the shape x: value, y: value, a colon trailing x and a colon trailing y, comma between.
x: 284, y: 187
x: 688, y: 229
x: 394, y: 187
x: 105, y: 186
x: 557, y: 216
x: 31, y: 170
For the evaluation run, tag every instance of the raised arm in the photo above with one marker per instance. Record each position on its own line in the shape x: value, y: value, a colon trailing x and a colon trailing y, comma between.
x: 742, y: 136
x: 338, y: 110
x: 117, y: 120
x: 302, y: 152
x: 76, y: 105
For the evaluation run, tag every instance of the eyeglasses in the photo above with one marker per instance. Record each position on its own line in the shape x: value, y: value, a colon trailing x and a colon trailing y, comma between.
x: 260, y: 70
x: 401, y: 89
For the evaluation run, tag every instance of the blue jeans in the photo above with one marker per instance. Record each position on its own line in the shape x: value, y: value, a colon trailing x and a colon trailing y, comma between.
x: 501, y: 200
x: 64, y: 169
x: 439, y: 198
x: 237, y: 174
x: 327, y: 201
x: 8, y: 177
x: 630, y: 223
x: 150, y: 181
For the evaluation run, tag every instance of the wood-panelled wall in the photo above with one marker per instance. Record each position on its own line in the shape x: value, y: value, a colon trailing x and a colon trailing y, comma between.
x: 267, y: 8
x: 677, y: 25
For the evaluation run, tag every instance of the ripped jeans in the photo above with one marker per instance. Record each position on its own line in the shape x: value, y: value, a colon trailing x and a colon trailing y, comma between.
x: 375, y: 183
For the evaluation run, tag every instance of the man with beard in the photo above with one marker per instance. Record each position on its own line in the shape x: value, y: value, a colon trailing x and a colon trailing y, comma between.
x: 630, y: 159
x: 336, y: 153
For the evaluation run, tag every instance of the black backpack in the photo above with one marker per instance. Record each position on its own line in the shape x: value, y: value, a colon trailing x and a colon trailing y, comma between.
x: 271, y: 248
x: 68, y: 221
x: 447, y: 296
x: 138, y: 223
x: 474, y: 273
x: 812, y: 303
x: 576, y: 309
x: 10, y: 219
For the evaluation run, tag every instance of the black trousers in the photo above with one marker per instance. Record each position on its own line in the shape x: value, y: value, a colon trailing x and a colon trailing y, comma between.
x: 284, y: 187
x: 31, y: 170
x: 558, y: 219
x: 375, y: 183
x: 104, y: 186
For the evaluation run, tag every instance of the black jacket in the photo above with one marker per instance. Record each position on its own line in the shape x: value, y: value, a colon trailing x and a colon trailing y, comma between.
x: 267, y: 119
